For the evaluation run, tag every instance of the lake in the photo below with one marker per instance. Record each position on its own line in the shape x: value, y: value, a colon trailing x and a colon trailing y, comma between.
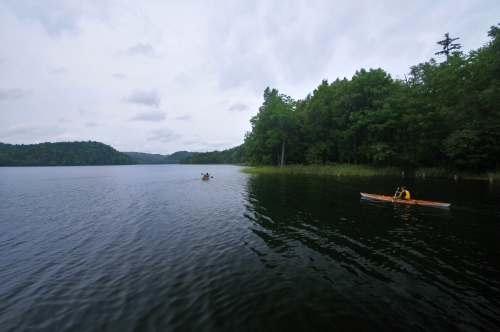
x: 155, y: 248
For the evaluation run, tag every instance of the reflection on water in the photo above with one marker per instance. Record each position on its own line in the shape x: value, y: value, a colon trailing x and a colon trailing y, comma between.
x: 409, y: 260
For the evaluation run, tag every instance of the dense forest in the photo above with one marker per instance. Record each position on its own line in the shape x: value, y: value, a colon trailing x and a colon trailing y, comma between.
x: 234, y: 155
x: 148, y: 158
x: 439, y: 115
x: 61, y: 154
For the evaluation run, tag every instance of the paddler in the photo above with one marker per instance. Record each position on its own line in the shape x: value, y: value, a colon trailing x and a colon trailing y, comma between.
x: 403, y: 194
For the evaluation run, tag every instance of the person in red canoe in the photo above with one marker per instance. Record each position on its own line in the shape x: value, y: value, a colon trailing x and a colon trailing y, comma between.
x: 403, y: 194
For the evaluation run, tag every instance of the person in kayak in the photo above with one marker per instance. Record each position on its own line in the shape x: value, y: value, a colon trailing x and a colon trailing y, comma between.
x: 403, y: 194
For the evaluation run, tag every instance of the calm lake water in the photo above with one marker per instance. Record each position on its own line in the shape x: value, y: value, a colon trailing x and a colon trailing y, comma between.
x: 155, y: 248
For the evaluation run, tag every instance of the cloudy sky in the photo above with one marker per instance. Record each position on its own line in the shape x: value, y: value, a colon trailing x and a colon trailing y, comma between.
x: 163, y: 76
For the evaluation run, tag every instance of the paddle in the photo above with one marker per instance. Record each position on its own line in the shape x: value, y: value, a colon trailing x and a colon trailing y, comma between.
x: 396, y: 192
x: 207, y: 176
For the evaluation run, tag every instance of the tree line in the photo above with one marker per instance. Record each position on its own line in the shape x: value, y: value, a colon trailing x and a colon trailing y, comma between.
x: 439, y: 115
x: 62, y: 154
x: 148, y: 158
x: 236, y: 155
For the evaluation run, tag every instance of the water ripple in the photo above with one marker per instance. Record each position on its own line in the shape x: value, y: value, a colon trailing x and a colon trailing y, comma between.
x: 136, y: 248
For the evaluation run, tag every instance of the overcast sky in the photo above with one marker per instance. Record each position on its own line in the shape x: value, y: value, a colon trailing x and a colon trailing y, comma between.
x: 163, y: 76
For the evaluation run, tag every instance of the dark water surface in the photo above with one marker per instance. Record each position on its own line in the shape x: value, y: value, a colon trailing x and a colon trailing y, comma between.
x: 155, y: 248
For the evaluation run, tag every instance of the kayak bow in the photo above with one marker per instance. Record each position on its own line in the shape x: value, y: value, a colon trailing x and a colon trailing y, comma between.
x: 404, y: 201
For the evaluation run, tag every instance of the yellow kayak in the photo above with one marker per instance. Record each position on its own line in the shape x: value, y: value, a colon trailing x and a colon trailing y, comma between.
x: 404, y: 201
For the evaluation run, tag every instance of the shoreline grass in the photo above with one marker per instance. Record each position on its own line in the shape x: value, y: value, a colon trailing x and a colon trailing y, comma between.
x: 363, y: 170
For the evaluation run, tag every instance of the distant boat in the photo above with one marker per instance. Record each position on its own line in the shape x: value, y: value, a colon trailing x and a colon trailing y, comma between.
x: 206, y: 176
x: 405, y: 201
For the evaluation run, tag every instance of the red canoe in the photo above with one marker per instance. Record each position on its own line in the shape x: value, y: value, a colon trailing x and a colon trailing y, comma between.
x: 405, y: 201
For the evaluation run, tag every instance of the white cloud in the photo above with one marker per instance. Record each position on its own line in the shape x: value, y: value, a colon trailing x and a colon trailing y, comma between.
x: 31, y: 129
x: 185, y: 79
x: 163, y: 135
x: 92, y: 124
x: 144, y: 49
x: 13, y: 94
x: 144, y: 97
x: 59, y: 70
x: 184, y: 117
x: 54, y: 16
x: 191, y: 141
x: 58, y: 16
x: 151, y: 115
x: 239, y: 106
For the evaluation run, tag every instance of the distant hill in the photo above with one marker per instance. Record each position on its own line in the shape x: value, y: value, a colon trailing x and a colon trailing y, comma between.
x: 236, y: 155
x: 61, y: 154
x: 149, y: 158
x: 179, y: 155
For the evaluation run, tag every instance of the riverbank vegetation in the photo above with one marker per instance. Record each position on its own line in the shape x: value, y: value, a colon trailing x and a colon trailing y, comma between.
x: 329, y: 170
x: 62, y: 154
x: 441, y: 116
x: 367, y: 170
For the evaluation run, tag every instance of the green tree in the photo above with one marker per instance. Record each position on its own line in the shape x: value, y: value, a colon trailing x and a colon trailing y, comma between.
x: 273, y: 125
x: 444, y: 114
x: 448, y: 45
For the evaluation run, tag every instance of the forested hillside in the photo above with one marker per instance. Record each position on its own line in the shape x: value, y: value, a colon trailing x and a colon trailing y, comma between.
x: 61, y: 154
x: 234, y: 155
x: 442, y: 114
x: 148, y: 158
x: 176, y: 157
